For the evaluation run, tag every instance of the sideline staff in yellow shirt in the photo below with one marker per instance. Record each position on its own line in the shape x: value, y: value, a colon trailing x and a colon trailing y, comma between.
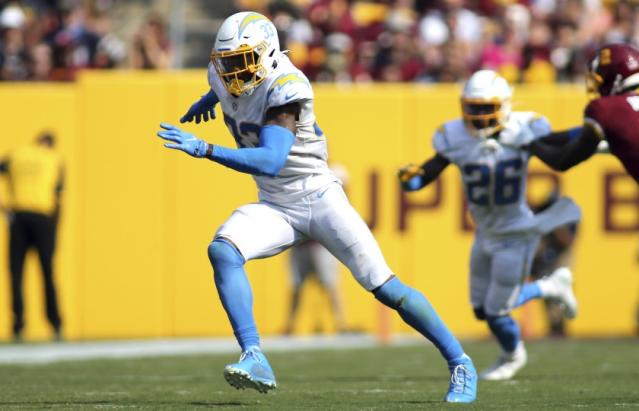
x: 35, y: 178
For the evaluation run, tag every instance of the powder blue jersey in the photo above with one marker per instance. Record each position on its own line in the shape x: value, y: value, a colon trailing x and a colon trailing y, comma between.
x: 305, y: 169
x: 494, y: 176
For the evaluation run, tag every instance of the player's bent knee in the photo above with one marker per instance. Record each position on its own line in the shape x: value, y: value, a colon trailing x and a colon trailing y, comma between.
x: 480, y: 314
x: 222, y: 254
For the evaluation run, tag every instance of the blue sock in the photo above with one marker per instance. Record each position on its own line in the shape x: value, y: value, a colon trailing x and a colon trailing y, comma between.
x: 234, y: 291
x: 417, y: 312
x: 506, y: 330
x: 529, y: 291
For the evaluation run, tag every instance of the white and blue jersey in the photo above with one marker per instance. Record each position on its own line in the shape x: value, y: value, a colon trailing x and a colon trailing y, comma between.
x: 494, y: 176
x: 508, y: 233
x: 305, y: 169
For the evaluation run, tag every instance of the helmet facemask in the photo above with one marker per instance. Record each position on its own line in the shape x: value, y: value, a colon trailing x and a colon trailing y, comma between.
x: 241, y: 70
x: 485, y: 117
x: 594, y: 81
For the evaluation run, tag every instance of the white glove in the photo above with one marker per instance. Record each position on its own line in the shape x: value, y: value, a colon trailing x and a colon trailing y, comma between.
x: 516, y: 136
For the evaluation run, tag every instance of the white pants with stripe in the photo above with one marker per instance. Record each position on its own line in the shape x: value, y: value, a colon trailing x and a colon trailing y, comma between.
x: 264, y: 229
x: 498, y: 267
x: 499, y: 264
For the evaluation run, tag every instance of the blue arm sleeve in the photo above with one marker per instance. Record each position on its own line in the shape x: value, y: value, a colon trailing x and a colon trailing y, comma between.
x: 267, y: 159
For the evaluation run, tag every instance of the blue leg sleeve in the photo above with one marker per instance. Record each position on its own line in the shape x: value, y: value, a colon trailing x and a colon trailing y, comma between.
x: 234, y: 291
x: 417, y: 312
x: 506, y: 330
x: 529, y: 291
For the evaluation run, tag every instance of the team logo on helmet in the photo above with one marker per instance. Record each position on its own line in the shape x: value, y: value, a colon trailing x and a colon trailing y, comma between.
x: 246, y: 51
x: 485, y: 103
x: 613, y: 70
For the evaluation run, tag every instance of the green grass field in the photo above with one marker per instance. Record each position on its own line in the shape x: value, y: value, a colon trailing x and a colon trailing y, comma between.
x: 561, y: 375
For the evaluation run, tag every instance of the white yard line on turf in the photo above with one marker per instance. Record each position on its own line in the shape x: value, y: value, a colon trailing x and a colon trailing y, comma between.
x: 69, y: 351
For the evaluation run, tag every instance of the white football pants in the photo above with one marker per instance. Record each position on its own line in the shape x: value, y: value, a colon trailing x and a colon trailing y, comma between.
x: 263, y: 229
x: 498, y: 267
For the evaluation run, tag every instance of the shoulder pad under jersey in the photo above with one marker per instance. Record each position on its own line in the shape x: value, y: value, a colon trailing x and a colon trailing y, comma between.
x: 447, y: 137
x: 288, y: 88
x: 535, y: 122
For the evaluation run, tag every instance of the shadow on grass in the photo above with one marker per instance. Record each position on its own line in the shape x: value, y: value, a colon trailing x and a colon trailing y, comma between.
x: 416, y: 402
x: 380, y: 379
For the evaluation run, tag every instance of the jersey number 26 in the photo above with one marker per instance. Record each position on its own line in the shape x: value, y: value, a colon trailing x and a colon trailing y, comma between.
x: 507, y: 182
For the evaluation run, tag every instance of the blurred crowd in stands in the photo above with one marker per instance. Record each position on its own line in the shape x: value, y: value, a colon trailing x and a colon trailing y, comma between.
x: 50, y: 40
x: 339, y: 40
x: 445, y: 40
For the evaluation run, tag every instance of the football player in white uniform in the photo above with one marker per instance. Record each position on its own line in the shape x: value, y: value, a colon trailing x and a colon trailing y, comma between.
x: 507, y: 232
x: 268, y: 108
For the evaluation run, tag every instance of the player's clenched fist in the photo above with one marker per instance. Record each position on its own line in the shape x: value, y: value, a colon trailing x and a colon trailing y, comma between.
x: 409, y: 171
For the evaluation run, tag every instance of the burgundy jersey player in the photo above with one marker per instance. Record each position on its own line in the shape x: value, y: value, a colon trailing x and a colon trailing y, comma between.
x: 613, y: 75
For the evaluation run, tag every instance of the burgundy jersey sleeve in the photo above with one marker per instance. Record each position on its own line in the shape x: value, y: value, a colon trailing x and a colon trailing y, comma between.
x: 595, y: 114
x: 616, y: 118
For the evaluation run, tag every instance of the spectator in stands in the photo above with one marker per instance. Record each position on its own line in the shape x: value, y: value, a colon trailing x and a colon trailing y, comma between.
x: 41, y: 62
x: 296, y: 33
x: 150, y: 49
x: 43, y: 43
x: 340, y: 40
x: 111, y: 51
x: 14, y: 55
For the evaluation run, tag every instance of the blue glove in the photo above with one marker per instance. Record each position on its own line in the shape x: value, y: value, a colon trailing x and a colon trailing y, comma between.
x: 182, y: 140
x: 202, y: 109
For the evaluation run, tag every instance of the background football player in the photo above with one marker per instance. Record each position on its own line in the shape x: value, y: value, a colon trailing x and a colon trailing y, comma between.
x: 268, y: 108
x: 311, y: 260
x: 613, y: 116
x: 507, y: 232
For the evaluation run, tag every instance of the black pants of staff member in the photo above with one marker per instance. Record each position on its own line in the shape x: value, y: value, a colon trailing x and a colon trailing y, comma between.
x: 32, y: 230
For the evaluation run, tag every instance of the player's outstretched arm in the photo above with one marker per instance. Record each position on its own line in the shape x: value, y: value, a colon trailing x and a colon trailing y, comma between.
x: 276, y: 139
x: 201, y: 110
x: 562, y: 157
x: 414, y: 177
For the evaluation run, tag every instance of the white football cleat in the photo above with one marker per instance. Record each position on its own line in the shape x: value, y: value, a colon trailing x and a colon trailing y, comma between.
x: 558, y: 285
x: 507, y: 365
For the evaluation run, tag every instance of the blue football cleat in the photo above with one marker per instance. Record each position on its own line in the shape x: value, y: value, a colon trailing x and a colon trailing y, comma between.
x: 463, y: 382
x: 252, y: 371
